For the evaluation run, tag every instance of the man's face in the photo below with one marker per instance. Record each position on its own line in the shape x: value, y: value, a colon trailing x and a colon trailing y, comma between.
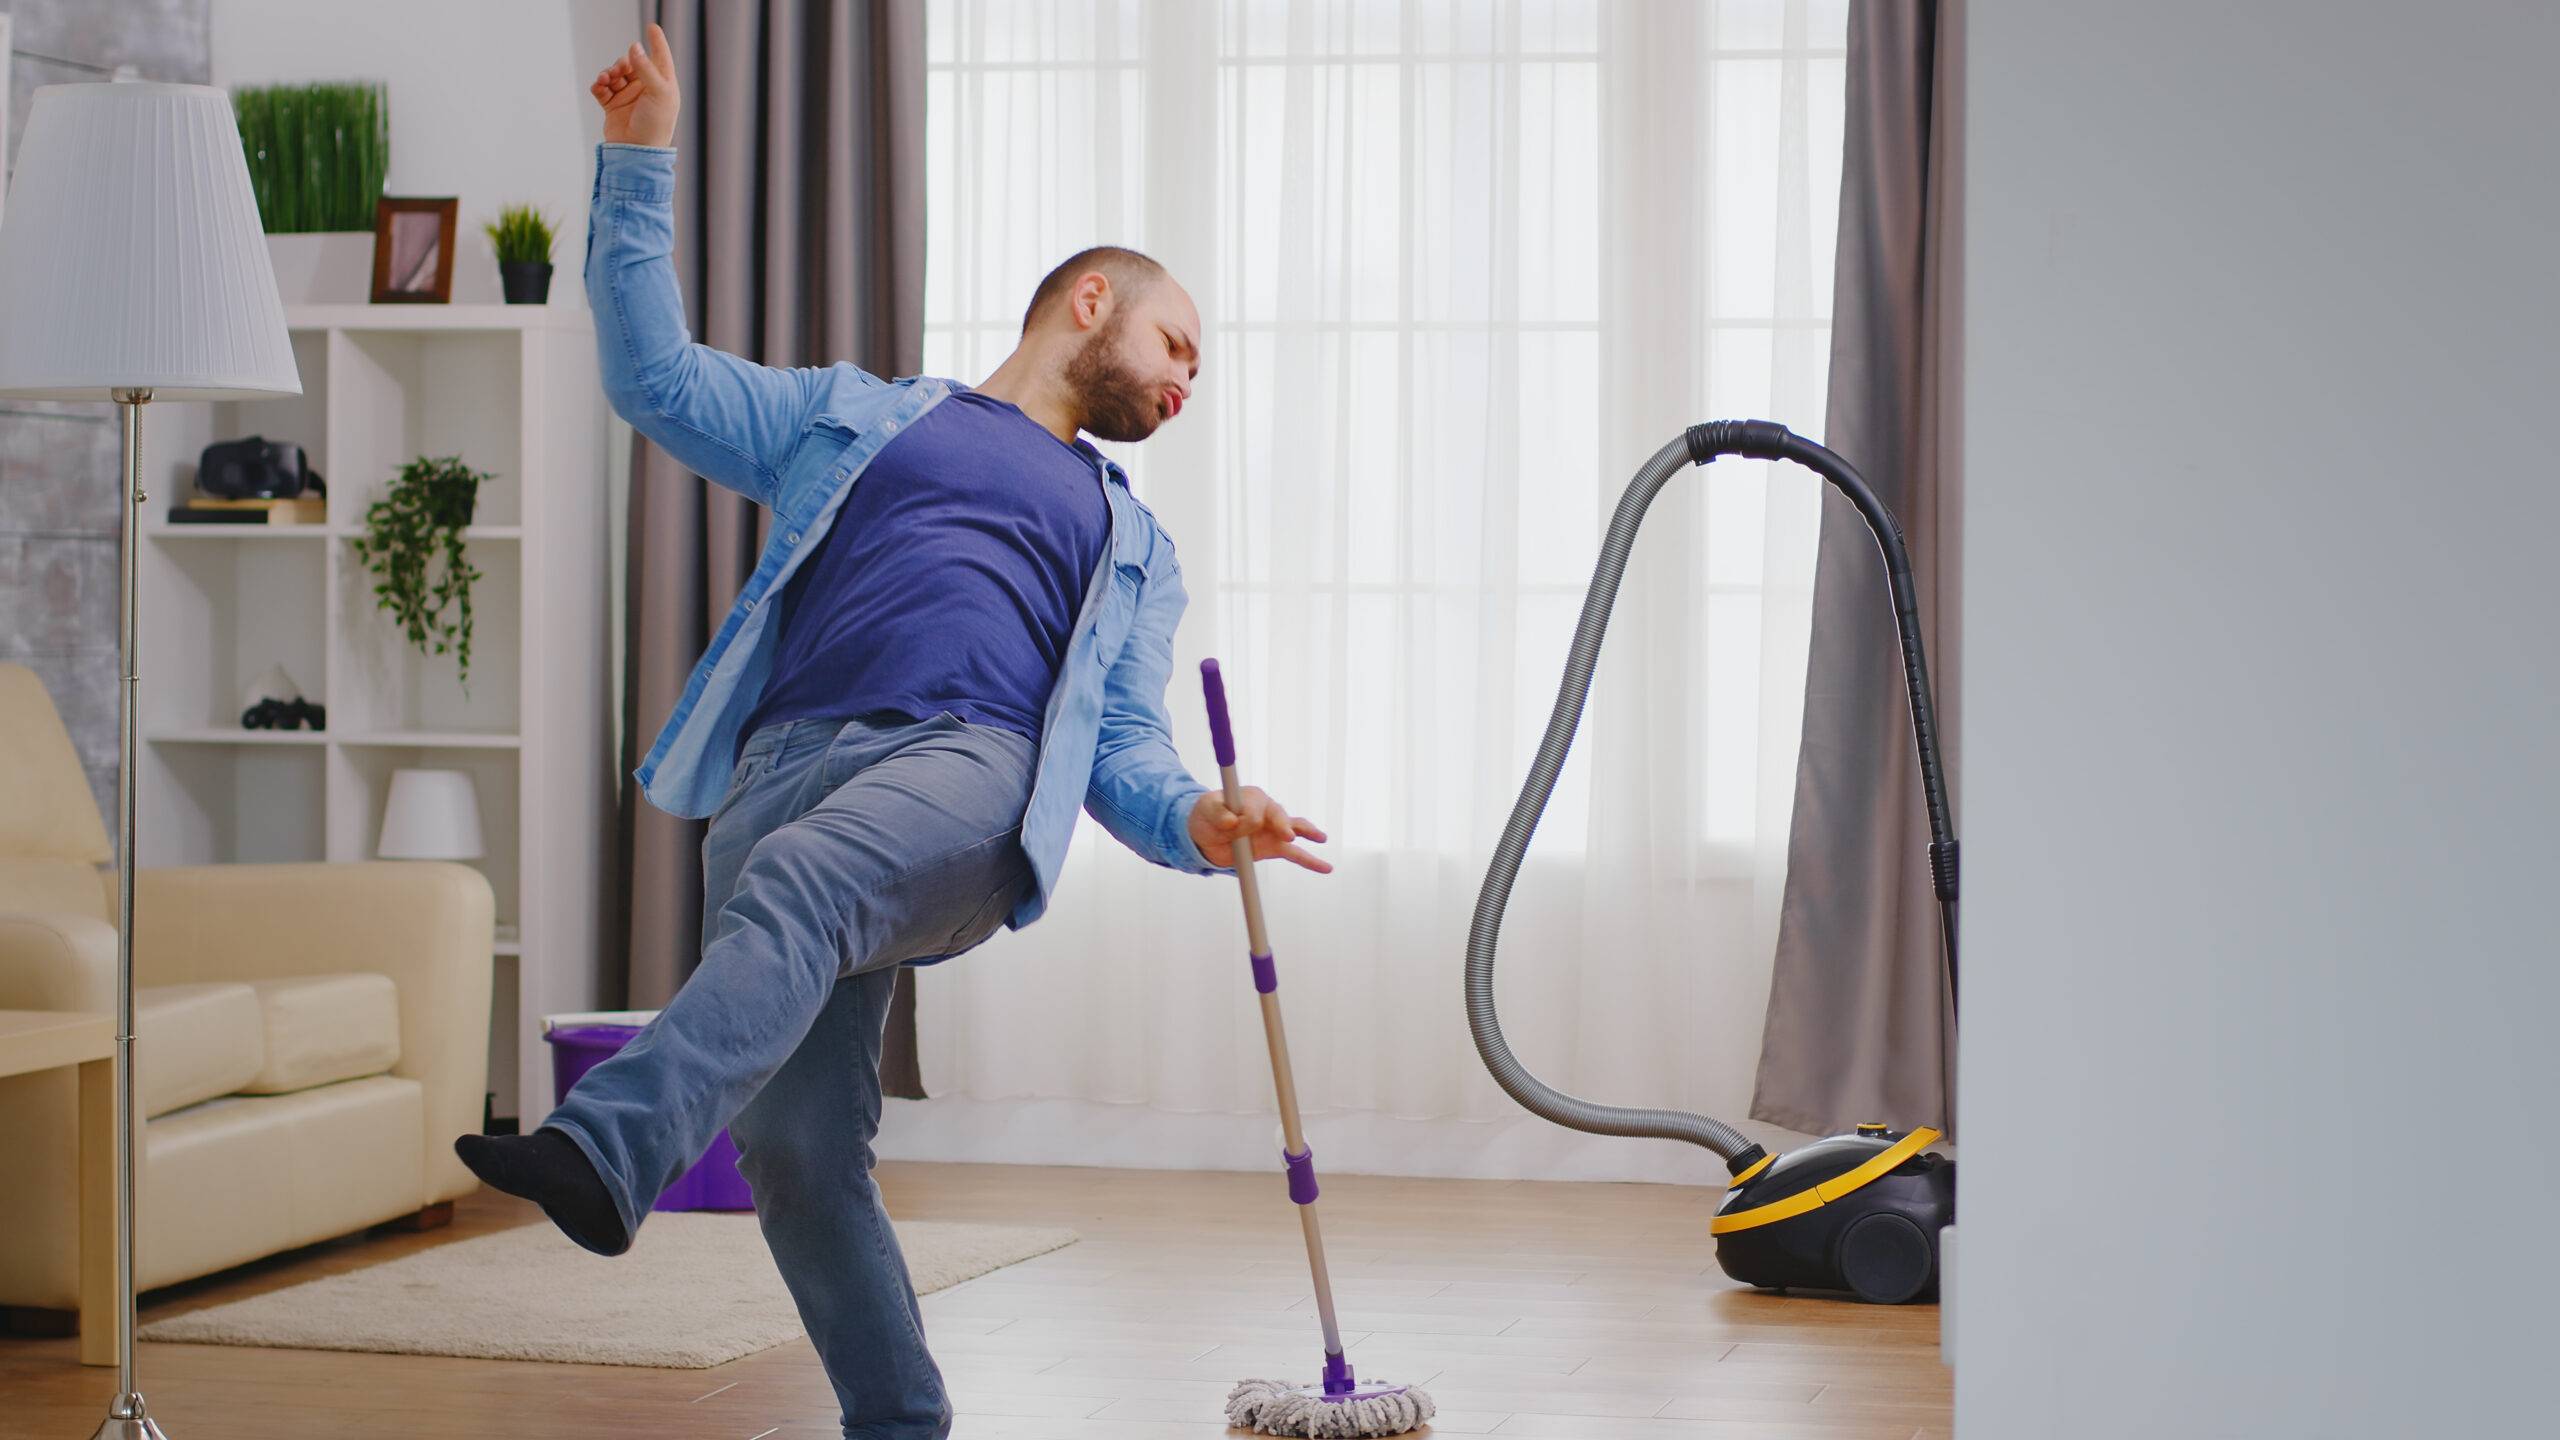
x: 1135, y: 371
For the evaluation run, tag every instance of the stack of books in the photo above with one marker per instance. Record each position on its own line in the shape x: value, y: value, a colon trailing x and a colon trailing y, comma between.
x: 204, y: 510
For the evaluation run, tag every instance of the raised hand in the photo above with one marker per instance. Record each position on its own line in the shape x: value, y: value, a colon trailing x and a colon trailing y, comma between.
x: 639, y: 94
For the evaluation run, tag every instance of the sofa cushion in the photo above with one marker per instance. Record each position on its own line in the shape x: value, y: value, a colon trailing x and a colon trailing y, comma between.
x: 325, y: 1028
x: 243, y: 1176
x: 193, y: 1042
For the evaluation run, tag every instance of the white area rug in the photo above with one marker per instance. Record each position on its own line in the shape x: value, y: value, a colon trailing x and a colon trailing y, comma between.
x: 696, y: 1289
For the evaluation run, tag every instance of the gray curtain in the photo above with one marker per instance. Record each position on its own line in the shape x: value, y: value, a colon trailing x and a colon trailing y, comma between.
x: 1860, y: 1026
x: 799, y: 241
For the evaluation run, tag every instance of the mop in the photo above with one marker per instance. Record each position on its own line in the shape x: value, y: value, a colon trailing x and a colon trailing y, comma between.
x: 1340, y: 1405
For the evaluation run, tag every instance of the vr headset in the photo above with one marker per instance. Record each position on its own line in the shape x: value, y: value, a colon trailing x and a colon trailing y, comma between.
x: 256, y: 469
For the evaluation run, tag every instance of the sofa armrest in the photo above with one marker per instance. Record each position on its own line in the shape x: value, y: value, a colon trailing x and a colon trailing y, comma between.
x: 55, y: 960
x: 428, y: 924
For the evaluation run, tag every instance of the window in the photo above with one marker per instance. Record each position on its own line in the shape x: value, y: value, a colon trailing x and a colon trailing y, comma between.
x: 1448, y: 249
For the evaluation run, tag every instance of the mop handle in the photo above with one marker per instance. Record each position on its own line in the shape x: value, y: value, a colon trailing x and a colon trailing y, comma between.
x: 1295, y: 1154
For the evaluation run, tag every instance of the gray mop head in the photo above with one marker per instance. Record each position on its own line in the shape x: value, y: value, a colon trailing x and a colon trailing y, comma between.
x: 1273, y: 1407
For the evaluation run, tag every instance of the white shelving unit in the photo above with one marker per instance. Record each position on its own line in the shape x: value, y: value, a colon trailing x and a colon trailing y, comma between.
x: 513, y: 391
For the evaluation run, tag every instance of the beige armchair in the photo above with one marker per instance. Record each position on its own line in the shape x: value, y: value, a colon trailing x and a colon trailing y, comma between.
x: 309, y: 1037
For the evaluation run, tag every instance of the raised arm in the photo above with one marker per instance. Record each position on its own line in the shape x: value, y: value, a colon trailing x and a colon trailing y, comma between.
x: 729, y: 420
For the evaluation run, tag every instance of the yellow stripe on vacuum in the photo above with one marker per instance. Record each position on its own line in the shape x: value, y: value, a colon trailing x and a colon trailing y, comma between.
x: 1793, y: 1205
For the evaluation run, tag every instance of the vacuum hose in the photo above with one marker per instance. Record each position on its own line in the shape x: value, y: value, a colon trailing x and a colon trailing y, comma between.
x: 1759, y: 440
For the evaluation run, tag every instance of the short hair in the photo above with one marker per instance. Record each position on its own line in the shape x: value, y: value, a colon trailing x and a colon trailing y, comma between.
x: 1129, y: 272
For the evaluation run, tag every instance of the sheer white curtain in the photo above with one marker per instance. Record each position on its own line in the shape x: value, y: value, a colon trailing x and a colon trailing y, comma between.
x: 1461, y: 268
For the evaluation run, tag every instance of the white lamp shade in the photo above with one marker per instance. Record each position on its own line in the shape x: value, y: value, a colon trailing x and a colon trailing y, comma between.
x: 131, y: 255
x: 431, y: 815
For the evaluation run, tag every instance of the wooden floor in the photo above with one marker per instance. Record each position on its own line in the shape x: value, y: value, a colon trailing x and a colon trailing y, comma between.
x: 1526, y: 1309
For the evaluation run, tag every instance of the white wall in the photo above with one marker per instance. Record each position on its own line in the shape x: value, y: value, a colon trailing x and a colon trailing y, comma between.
x: 2259, y: 1074
x: 488, y: 101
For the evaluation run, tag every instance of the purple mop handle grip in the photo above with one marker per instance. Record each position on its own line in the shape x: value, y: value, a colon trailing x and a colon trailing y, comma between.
x: 1302, y: 1174
x: 1221, y: 734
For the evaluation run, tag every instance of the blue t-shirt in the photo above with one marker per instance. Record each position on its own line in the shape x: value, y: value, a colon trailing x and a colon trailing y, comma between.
x: 950, y: 578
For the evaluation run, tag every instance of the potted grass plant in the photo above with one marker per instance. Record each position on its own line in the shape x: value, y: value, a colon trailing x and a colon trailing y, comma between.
x: 522, y: 237
x: 418, y: 522
x: 317, y: 155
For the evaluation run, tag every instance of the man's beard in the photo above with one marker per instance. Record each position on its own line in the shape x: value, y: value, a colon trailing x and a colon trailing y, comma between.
x: 1117, y: 405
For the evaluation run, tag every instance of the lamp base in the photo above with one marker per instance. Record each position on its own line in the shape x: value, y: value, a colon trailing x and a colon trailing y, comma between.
x: 141, y: 1427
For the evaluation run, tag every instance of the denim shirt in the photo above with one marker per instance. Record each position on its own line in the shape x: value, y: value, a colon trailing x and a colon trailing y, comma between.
x: 796, y: 441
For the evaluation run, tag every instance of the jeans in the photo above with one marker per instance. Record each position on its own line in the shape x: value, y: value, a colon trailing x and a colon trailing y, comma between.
x: 842, y: 850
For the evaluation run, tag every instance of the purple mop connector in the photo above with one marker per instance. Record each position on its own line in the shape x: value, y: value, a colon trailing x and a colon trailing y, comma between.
x: 1337, y: 1375
x: 1266, y: 976
x: 1221, y: 735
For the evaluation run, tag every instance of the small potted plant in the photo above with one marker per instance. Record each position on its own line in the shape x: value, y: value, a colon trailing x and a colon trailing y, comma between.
x: 418, y: 521
x: 522, y: 236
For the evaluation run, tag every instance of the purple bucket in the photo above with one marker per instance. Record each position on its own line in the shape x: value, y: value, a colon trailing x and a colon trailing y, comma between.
x: 713, y: 1183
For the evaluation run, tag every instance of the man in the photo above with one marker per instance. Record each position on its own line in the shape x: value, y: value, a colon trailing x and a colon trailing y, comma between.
x: 959, y: 633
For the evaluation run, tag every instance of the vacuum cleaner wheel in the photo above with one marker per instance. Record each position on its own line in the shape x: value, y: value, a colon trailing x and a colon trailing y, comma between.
x: 1885, y: 1258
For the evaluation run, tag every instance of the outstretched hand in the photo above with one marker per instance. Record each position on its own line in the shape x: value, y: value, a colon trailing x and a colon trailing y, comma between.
x: 639, y: 94
x: 1215, y: 828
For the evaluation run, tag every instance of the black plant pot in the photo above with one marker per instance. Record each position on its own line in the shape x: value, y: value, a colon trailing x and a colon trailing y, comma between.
x: 455, y: 507
x: 526, y: 282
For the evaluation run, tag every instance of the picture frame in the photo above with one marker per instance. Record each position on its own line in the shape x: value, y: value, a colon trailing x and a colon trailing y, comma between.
x: 413, y: 249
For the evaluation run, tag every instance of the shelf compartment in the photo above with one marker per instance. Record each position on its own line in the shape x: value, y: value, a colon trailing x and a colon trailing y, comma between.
x: 396, y: 395
x: 302, y: 419
x: 220, y: 616
x: 363, y: 775
x: 390, y: 685
x: 230, y: 804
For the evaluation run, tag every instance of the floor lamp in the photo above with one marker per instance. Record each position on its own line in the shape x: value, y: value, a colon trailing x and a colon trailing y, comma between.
x: 133, y: 268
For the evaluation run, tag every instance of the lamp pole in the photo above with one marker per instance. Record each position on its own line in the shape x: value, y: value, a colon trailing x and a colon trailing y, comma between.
x: 129, y: 1418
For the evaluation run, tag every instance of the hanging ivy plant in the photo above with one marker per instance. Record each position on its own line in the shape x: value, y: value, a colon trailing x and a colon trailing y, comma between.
x: 419, y: 521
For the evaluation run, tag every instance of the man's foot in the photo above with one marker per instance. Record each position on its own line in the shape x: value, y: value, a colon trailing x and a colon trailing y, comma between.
x: 547, y: 1168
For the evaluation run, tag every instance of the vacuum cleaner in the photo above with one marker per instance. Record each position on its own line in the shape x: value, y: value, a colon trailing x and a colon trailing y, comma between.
x: 1857, y: 1213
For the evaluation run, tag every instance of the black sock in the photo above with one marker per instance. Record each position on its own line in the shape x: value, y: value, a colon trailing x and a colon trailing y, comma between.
x: 547, y: 1168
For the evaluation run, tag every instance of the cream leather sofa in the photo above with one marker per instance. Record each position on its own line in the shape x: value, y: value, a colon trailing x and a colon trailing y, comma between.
x: 309, y: 1038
